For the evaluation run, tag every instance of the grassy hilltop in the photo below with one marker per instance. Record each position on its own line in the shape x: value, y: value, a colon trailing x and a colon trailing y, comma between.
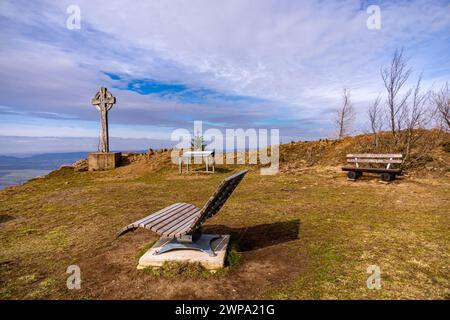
x: 304, y: 233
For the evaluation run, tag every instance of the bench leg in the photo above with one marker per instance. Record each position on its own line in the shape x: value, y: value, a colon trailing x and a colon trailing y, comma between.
x: 386, y: 176
x: 202, y: 244
x: 352, y: 175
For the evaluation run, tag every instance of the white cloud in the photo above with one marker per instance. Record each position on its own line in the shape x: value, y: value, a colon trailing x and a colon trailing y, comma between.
x: 294, y: 55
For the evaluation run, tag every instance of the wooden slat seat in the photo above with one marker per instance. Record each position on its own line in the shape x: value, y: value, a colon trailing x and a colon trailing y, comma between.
x: 373, y: 170
x: 171, y: 220
x: 182, y: 218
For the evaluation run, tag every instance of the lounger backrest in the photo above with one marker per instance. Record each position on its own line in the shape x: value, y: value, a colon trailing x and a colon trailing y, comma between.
x: 220, y: 196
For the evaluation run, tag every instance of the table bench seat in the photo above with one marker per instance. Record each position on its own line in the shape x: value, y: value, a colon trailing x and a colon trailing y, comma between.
x: 373, y: 170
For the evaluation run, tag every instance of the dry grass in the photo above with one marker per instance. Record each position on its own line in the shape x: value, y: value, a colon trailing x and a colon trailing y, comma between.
x: 306, y: 234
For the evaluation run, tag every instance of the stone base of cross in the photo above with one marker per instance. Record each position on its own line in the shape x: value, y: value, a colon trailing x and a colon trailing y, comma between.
x: 100, y: 161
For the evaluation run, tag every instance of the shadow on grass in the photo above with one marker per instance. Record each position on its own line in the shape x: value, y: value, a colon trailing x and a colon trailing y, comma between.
x: 242, y: 239
x: 259, y: 236
x: 5, y: 217
x: 201, y: 169
x: 223, y: 170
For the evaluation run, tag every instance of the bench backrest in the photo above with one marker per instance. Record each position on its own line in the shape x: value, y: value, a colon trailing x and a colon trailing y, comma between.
x: 219, y: 197
x: 388, y: 158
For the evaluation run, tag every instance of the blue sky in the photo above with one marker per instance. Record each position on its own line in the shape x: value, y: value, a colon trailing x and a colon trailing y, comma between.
x: 232, y: 64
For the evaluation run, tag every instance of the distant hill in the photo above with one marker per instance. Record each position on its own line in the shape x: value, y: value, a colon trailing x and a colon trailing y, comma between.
x: 431, y: 151
x: 47, y: 161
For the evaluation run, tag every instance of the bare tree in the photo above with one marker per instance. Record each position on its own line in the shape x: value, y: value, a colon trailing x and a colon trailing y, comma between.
x: 345, y: 115
x: 394, y: 77
x: 414, y: 117
x: 441, y: 100
x: 376, y: 120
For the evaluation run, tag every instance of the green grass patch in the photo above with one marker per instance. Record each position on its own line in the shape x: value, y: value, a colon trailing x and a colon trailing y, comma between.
x: 174, y: 269
x: 234, y: 255
x: 45, y: 284
x: 27, y: 278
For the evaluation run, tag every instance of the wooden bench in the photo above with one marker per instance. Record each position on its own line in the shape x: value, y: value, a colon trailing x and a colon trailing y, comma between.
x: 388, y: 173
x: 182, y: 221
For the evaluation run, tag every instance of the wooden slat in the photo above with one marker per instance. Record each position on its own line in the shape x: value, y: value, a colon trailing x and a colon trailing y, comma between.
x: 179, y: 224
x: 156, y: 214
x: 154, y: 220
x: 141, y: 222
x: 185, y: 228
x: 181, y: 229
x: 161, y: 221
x: 126, y: 230
x: 374, y: 170
x: 182, y: 215
x: 237, y: 176
x: 374, y: 155
x: 374, y: 160
x: 150, y: 220
x: 167, y: 215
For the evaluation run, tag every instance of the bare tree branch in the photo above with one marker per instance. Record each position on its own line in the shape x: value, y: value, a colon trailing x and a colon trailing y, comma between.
x: 345, y: 115
x: 394, y: 77
x: 441, y: 100
x: 375, y: 118
x: 415, y: 116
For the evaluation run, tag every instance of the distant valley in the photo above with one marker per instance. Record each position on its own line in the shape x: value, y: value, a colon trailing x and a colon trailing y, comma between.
x: 15, y: 170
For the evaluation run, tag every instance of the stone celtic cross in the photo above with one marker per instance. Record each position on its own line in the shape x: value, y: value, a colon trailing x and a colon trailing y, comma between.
x: 104, y: 101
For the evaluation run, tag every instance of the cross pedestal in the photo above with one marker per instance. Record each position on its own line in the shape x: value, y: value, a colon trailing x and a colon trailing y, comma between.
x: 98, y: 161
x: 103, y: 160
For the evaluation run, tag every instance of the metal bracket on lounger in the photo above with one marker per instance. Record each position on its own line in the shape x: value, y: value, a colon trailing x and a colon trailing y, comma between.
x: 203, y: 243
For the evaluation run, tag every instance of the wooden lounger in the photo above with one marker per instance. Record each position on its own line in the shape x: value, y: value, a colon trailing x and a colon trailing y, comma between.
x: 182, y: 221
